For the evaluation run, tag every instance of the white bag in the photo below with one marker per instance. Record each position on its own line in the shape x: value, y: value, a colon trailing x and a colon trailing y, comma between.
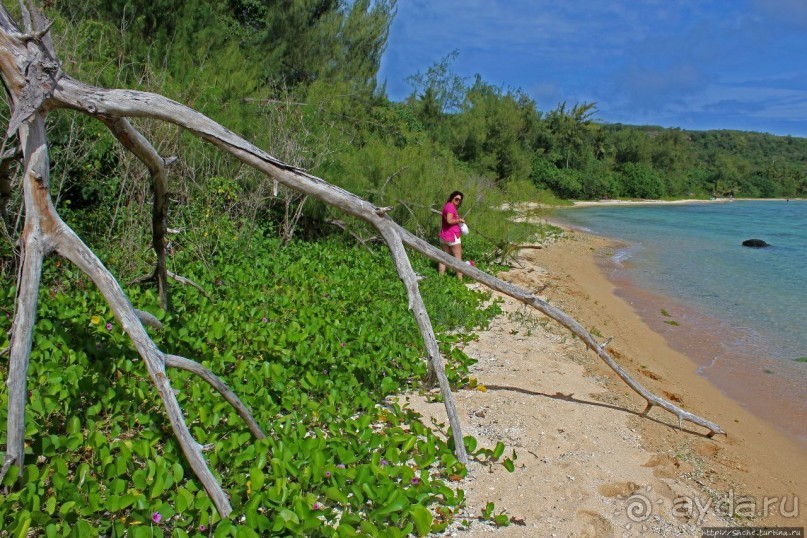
x: 464, y: 229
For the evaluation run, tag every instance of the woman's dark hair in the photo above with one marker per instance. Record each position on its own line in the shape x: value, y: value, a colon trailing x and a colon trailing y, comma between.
x: 453, y: 194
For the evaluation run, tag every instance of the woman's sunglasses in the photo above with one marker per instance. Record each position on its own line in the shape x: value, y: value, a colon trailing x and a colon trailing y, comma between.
x: 457, y: 198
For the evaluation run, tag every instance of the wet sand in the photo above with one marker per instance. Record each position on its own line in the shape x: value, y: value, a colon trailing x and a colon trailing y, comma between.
x: 588, y: 462
x: 773, y: 389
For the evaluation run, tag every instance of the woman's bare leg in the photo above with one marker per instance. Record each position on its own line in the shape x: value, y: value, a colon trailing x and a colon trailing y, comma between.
x: 441, y: 268
x: 456, y: 251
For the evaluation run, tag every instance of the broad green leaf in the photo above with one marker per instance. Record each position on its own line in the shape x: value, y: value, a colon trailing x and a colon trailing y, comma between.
x: 24, y: 523
x: 422, y: 518
x: 334, y: 494
x: 50, y: 505
x: 256, y: 478
x: 501, y: 520
x: 396, y: 503
x: 158, y: 486
x: 183, y: 499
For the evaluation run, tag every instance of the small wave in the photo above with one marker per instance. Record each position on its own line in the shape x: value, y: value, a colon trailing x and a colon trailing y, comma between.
x: 705, y: 367
x: 624, y: 254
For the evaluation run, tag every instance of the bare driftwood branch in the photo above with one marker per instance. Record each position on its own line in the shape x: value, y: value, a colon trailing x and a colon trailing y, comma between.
x: 28, y: 77
x: 73, y: 94
x: 72, y: 248
x: 158, y: 167
x: 148, y: 319
x: 35, y: 245
x: 211, y: 379
x: 562, y: 318
x: 343, y: 226
x: 409, y: 278
x: 186, y: 281
x: 35, y: 84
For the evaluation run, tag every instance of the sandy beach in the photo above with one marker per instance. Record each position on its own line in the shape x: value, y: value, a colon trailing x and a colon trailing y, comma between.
x: 588, y: 463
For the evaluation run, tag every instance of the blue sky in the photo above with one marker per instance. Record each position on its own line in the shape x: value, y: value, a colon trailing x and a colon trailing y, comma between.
x: 693, y: 64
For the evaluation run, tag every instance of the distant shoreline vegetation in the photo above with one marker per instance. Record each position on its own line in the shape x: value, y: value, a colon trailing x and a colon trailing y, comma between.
x: 661, y: 163
x: 315, y: 103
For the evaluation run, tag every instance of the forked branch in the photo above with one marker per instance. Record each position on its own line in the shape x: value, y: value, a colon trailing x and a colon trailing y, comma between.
x: 157, y: 166
x: 73, y: 94
x: 175, y: 361
x: 564, y: 319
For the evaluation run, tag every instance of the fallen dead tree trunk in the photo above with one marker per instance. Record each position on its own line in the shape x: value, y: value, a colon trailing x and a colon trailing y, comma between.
x: 36, y: 85
x: 134, y: 103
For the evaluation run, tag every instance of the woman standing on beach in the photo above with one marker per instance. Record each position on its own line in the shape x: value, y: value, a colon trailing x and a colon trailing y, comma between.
x: 450, y: 232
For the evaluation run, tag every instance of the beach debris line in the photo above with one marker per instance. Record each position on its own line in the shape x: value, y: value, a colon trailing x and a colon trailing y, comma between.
x: 37, y: 85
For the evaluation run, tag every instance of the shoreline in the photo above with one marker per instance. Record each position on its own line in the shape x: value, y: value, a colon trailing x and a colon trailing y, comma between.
x: 585, y: 452
x: 703, y: 340
x: 609, y: 202
x: 670, y: 373
x: 710, y: 342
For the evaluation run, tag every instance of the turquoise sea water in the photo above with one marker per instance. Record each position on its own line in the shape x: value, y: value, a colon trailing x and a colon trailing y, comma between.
x: 741, y: 313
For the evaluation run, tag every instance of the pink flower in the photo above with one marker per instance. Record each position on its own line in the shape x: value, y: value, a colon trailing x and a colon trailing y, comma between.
x: 265, y: 320
x: 202, y: 528
x: 156, y: 517
x: 327, y: 474
x: 416, y: 480
x: 109, y: 326
x: 384, y: 462
x: 317, y: 506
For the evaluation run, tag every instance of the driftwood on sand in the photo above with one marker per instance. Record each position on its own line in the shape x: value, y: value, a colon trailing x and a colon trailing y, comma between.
x: 36, y: 85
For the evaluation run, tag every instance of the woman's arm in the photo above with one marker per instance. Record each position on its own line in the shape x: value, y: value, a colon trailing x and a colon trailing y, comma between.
x: 453, y: 218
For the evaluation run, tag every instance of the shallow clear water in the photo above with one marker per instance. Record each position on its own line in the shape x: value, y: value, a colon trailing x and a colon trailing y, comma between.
x: 694, y: 252
x: 753, y: 301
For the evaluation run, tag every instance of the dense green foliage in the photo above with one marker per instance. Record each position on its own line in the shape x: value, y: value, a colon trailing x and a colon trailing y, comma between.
x: 299, y: 79
x: 313, y: 334
x: 503, y: 136
x: 313, y: 337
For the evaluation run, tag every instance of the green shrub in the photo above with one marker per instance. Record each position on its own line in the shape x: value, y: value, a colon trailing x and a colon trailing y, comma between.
x: 313, y: 337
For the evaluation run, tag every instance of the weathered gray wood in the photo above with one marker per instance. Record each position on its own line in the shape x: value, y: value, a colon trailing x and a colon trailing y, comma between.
x: 72, y: 248
x: 409, y: 278
x: 143, y: 150
x: 213, y: 380
x: 35, y: 246
x: 76, y: 95
x: 35, y: 84
x: 28, y: 74
x: 188, y: 282
x: 562, y: 318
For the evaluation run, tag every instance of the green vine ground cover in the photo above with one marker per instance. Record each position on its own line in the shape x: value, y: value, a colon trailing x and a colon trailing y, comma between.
x: 313, y: 337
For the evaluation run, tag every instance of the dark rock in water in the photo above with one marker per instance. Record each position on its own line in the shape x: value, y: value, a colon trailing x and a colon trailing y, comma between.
x: 755, y: 243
